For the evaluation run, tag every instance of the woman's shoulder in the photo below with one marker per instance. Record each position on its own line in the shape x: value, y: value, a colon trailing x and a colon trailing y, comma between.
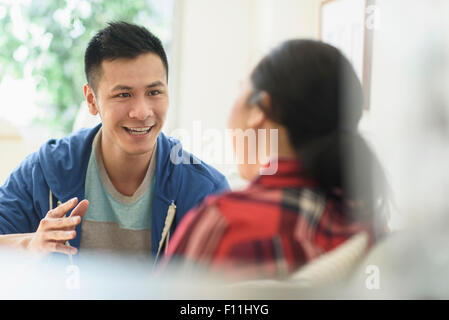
x: 259, y: 202
x: 261, y: 195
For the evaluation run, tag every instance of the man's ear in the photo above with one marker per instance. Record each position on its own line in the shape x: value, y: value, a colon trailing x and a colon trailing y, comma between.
x: 90, y: 99
x: 256, y: 114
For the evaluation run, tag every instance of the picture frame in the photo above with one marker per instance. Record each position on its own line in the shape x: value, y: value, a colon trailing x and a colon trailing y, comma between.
x: 349, y: 26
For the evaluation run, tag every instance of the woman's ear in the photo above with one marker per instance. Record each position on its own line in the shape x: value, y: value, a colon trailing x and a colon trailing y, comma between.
x: 90, y: 99
x: 260, y: 102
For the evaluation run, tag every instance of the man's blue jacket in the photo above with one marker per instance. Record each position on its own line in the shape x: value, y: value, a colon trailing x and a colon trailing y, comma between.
x: 61, y: 166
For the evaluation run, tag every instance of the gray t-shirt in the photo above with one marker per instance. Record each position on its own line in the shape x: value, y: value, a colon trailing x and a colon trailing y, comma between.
x: 115, y: 223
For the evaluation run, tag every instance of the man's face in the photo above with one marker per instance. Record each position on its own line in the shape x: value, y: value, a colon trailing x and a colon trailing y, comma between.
x: 132, y: 99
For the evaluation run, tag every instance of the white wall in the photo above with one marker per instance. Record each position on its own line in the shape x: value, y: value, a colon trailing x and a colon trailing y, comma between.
x: 220, y: 41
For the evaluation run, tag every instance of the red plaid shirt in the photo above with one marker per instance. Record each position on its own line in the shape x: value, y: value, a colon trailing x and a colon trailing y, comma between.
x: 269, y: 230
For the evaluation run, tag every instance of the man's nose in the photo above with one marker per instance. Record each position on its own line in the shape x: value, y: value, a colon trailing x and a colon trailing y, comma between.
x: 141, y: 109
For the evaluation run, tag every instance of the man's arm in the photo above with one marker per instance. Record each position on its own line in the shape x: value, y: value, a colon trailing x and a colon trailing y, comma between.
x: 17, y: 240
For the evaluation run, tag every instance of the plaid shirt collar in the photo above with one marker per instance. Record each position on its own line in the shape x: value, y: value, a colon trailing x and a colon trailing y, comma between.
x: 288, y: 174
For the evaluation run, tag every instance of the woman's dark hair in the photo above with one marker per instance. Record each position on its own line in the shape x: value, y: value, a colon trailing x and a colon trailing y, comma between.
x: 317, y: 96
x: 119, y: 40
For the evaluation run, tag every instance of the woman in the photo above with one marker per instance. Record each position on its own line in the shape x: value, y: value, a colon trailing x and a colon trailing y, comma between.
x: 308, y: 93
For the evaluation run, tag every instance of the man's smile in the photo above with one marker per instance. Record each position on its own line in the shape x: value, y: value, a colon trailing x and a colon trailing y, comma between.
x: 138, y: 131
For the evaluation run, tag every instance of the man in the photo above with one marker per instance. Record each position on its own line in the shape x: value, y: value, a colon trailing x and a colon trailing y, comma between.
x: 134, y: 193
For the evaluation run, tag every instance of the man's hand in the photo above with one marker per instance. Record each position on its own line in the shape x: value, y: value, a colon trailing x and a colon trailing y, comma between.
x: 55, y: 229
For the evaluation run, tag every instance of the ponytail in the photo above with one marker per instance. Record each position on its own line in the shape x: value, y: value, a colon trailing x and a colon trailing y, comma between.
x: 344, y: 166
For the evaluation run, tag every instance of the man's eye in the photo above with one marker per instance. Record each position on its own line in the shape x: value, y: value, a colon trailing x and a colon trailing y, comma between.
x: 124, y: 95
x: 154, y: 92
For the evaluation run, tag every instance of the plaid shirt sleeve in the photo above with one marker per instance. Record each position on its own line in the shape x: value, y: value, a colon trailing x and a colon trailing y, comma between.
x: 198, y: 235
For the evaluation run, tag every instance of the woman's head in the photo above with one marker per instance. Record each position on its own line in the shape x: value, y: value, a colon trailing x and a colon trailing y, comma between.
x: 313, y: 88
x: 310, y: 92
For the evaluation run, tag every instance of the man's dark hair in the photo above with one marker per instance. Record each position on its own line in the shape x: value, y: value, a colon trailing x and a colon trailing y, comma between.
x: 119, y: 40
